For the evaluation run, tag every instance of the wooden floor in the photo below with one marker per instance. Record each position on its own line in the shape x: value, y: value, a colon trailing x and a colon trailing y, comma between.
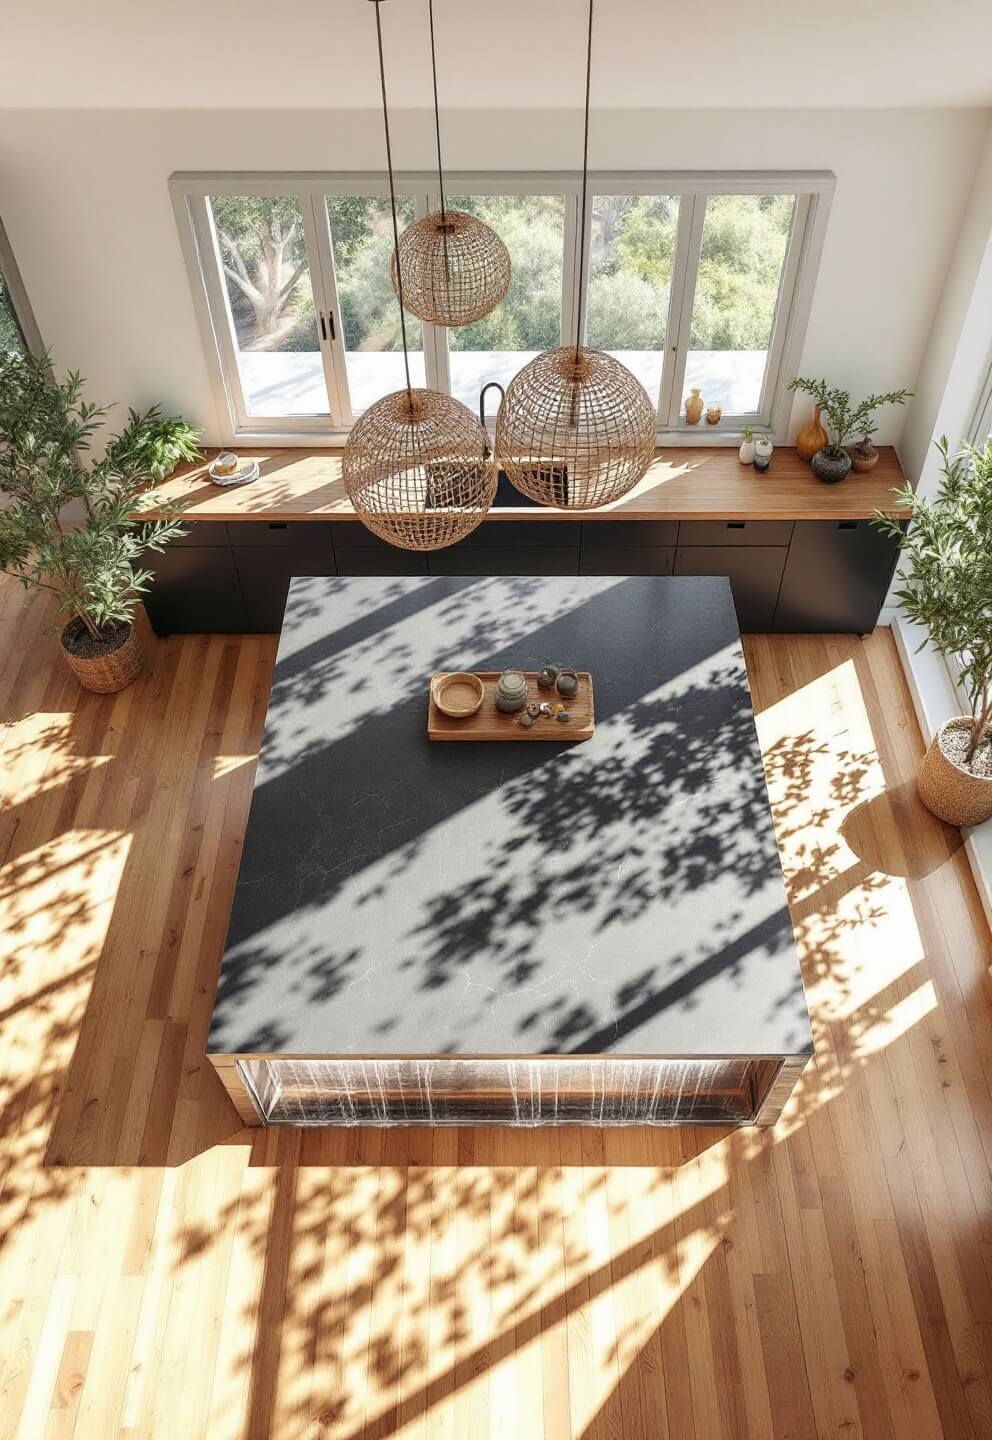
x: 165, y: 1274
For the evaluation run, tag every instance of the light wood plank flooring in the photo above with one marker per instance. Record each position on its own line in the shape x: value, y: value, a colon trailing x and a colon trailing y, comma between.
x: 165, y: 1274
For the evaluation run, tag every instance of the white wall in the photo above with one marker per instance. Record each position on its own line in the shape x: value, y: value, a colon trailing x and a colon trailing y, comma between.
x: 959, y: 348
x: 85, y: 201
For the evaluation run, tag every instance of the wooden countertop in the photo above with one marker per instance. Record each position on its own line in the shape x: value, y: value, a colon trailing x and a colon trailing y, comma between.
x: 700, y: 483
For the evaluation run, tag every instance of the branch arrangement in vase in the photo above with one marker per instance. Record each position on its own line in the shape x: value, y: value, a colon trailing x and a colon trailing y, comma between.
x: 945, y: 585
x: 66, y: 527
x: 845, y: 420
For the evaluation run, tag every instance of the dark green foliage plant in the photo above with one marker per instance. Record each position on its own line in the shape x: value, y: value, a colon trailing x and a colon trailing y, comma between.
x: 946, y: 571
x: 66, y: 526
x: 844, y: 419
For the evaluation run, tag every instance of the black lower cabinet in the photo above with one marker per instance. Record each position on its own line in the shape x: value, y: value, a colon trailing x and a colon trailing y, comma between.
x: 265, y: 572
x: 195, y: 589
x: 836, y: 577
x: 754, y: 572
x: 623, y: 559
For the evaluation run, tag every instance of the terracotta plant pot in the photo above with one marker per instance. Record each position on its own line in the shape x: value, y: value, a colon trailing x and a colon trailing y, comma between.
x: 103, y: 666
x: 864, y: 456
x: 812, y: 437
x: 831, y: 465
x: 948, y: 790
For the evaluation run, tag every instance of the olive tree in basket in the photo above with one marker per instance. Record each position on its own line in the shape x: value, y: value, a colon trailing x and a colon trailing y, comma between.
x: 945, y: 586
x: 66, y: 524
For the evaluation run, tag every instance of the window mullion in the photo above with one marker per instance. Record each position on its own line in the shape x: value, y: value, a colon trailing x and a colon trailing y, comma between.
x: 436, y: 366
x: 219, y: 306
x: 330, y: 338
x: 785, y: 305
x: 688, y: 245
x: 570, y: 279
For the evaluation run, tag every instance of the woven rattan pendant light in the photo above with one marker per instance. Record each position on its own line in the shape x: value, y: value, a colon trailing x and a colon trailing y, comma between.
x: 455, y: 268
x: 576, y: 429
x: 417, y: 467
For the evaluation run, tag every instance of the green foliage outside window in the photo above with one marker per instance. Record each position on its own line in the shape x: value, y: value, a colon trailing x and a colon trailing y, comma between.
x: 632, y: 255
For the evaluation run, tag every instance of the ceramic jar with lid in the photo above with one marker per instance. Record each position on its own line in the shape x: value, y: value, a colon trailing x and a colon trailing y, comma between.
x: 511, y: 692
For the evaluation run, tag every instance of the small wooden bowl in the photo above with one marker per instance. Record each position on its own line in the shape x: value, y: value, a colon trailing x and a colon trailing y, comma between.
x: 458, y: 695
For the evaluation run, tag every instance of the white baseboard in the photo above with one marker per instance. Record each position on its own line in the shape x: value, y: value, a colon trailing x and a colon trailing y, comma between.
x: 936, y: 699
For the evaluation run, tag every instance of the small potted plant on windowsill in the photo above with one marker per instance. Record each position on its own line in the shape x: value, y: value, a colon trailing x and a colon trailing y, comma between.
x: 946, y: 575
x: 844, y: 419
x: 66, y: 526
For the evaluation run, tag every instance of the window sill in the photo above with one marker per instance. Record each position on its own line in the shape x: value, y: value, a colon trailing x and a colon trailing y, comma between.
x: 936, y: 699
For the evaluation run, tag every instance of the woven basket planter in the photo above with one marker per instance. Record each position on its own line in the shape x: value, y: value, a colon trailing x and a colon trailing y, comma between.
x: 950, y: 793
x: 113, y: 670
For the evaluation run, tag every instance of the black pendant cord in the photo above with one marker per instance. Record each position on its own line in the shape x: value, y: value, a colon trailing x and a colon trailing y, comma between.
x: 437, y: 112
x: 392, y: 199
x: 585, y: 183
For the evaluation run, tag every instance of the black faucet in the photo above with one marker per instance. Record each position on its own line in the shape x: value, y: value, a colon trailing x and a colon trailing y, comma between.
x: 482, y: 409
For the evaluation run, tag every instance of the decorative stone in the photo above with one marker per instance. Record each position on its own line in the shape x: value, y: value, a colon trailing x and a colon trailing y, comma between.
x: 526, y: 719
x: 567, y: 684
x: 564, y: 716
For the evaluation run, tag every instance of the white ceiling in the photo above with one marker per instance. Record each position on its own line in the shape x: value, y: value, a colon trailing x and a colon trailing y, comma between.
x: 250, y: 54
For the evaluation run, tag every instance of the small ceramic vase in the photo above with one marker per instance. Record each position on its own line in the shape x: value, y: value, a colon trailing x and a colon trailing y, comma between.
x: 746, y: 453
x: 511, y: 692
x: 864, y: 456
x: 831, y: 464
x: 713, y: 415
x: 812, y: 437
x: 567, y: 684
x: 763, y: 448
x: 693, y: 407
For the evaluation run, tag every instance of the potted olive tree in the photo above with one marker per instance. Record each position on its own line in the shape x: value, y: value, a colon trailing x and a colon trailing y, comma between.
x: 66, y: 526
x: 946, y: 576
x: 845, y: 419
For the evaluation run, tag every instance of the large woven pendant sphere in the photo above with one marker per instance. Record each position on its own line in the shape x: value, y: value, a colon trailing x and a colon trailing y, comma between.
x: 455, y: 269
x: 417, y: 470
x: 576, y: 430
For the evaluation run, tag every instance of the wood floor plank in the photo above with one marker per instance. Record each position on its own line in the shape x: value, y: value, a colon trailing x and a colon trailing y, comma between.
x: 165, y: 1274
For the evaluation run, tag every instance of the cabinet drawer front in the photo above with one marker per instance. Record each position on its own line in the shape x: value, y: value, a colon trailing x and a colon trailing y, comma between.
x: 606, y: 534
x: 195, y: 591
x: 202, y: 533
x: 549, y: 534
x: 619, y: 559
x: 265, y: 573
x: 754, y: 572
x: 837, y: 577
x: 735, y: 532
x: 379, y: 559
x: 505, y: 560
x: 279, y: 533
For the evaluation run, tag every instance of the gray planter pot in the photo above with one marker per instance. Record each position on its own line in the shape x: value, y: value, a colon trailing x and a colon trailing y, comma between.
x: 831, y: 465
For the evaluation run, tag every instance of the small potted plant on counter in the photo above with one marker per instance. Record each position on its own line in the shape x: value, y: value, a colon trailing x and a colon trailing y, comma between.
x: 162, y: 440
x: 844, y: 419
x: 66, y: 526
x: 746, y: 453
x: 946, y: 575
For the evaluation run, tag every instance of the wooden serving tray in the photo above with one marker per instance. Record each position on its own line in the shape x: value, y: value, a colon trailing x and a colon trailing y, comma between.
x: 488, y: 723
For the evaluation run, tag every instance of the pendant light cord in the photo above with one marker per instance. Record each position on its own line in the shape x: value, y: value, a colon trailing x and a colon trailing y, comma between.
x: 437, y: 113
x: 392, y: 198
x: 585, y: 183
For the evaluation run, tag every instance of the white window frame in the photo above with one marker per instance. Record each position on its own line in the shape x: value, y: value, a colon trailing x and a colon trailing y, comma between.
x: 980, y: 430
x: 19, y: 296
x: 813, y: 191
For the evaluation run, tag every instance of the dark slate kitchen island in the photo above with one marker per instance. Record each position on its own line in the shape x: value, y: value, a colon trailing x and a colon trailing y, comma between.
x: 529, y: 933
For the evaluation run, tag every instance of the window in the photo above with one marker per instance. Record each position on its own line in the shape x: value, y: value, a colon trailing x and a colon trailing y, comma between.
x: 692, y: 282
x: 18, y: 331
x: 532, y: 227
